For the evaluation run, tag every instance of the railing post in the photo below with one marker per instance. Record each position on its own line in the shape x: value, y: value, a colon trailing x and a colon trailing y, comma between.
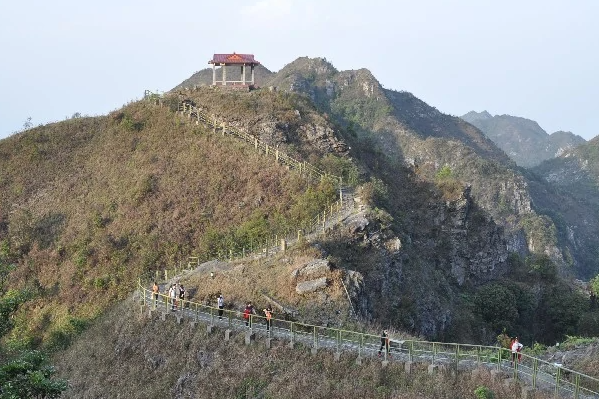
x: 292, y: 334
x: 577, y: 386
x: 411, y: 351
x: 457, y: 356
x: 557, y: 379
x: 535, y: 369
x: 315, y: 339
x: 197, y: 313
x: 360, y: 344
x: 434, y: 352
x: 499, y: 359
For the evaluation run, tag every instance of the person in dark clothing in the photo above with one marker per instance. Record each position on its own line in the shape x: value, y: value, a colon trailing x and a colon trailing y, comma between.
x: 384, y: 342
x: 182, y: 295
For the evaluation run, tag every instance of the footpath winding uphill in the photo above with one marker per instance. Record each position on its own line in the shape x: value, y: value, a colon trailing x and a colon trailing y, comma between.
x: 413, y: 356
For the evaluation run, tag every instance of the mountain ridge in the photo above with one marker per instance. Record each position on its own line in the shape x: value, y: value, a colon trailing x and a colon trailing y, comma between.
x: 523, y: 139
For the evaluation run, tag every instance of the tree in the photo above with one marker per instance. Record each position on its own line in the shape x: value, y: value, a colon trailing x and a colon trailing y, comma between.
x: 29, y: 375
x: 595, y: 285
x: 497, y: 305
x: 24, y: 374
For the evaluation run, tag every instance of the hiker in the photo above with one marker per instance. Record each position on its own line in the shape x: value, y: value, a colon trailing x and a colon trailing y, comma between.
x: 182, y: 295
x: 221, y: 305
x: 247, y: 314
x: 172, y: 293
x: 268, y: 314
x: 384, y: 342
x: 516, y: 348
x: 155, y: 291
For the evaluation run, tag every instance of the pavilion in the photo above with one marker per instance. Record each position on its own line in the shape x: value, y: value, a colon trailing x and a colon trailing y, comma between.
x: 225, y: 60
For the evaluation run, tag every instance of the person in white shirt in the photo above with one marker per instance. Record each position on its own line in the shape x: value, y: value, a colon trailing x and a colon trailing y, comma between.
x: 221, y: 306
x: 516, y: 348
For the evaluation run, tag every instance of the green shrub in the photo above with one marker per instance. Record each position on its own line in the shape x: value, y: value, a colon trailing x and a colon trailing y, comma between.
x: 482, y: 392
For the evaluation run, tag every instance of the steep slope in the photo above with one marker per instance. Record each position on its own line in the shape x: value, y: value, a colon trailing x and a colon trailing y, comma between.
x: 139, y: 358
x: 574, y: 178
x: 522, y: 139
x: 86, y: 205
x: 90, y: 204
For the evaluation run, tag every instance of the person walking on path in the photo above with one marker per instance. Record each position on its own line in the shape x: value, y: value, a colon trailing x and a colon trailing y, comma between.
x: 221, y: 305
x: 268, y: 314
x: 516, y: 348
x: 155, y: 291
x: 384, y: 342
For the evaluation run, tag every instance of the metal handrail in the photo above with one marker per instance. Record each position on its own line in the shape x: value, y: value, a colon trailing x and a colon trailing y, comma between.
x: 270, y: 245
x: 529, y: 369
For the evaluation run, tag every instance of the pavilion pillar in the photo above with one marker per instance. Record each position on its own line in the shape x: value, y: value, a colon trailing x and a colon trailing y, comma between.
x: 243, y: 74
x: 252, y: 74
x: 224, y: 68
x: 213, y: 75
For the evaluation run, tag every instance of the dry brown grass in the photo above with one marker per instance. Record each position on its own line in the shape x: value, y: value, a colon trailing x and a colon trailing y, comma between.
x: 125, y: 355
x: 87, y: 205
x: 247, y: 280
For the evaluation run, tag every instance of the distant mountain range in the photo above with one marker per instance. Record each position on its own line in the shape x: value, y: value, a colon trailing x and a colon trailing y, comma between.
x: 522, y: 139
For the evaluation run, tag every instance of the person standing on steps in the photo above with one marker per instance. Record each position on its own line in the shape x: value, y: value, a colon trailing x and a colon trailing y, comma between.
x: 221, y: 305
x: 268, y: 314
x: 384, y: 342
x: 155, y: 291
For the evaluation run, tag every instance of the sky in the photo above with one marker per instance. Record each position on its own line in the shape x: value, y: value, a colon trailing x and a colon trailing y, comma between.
x: 537, y: 59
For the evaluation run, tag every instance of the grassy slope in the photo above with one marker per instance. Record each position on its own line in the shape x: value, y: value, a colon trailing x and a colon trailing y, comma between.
x: 134, y: 357
x: 88, y: 204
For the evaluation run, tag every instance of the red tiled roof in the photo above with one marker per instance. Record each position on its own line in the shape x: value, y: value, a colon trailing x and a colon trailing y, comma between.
x: 233, y: 59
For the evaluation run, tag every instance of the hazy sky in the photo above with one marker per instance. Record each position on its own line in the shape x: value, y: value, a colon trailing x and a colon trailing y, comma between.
x: 538, y: 59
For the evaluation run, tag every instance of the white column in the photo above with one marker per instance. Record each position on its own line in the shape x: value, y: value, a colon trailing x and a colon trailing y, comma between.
x: 213, y: 74
x: 224, y: 68
x: 252, y: 74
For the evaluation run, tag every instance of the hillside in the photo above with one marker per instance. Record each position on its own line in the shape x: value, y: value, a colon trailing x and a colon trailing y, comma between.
x: 165, y: 359
x: 89, y: 204
x: 574, y: 178
x: 523, y: 139
x: 449, y: 240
